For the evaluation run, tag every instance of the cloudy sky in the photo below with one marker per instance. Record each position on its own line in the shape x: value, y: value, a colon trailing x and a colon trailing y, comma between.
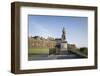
x: 51, y: 26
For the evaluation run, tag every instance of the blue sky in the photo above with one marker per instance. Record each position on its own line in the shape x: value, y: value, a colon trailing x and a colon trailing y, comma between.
x: 51, y: 26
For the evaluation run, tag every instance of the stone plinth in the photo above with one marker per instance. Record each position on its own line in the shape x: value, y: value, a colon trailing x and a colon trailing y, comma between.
x: 64, y: 46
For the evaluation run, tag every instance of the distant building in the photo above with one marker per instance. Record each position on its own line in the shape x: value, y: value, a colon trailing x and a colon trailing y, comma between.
x: 40, y: 42
x: 59, y: 43
x: 72, y: 47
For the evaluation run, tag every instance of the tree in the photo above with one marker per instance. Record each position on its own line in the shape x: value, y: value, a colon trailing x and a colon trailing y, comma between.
x: 84, y: 50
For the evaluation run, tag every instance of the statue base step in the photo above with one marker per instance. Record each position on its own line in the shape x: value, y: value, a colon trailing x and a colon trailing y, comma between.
x: 63, y: 52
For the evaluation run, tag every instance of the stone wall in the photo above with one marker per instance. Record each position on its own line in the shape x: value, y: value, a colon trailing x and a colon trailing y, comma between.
x: 41, y: 43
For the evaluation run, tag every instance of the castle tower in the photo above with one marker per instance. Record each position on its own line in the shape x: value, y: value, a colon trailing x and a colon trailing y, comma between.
x: 63, y: 40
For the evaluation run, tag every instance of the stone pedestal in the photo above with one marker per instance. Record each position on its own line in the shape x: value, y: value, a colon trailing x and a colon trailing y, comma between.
x: 63, y: 46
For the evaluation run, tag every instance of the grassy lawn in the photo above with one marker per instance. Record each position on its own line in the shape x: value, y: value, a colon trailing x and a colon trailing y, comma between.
x: 38, y: 51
